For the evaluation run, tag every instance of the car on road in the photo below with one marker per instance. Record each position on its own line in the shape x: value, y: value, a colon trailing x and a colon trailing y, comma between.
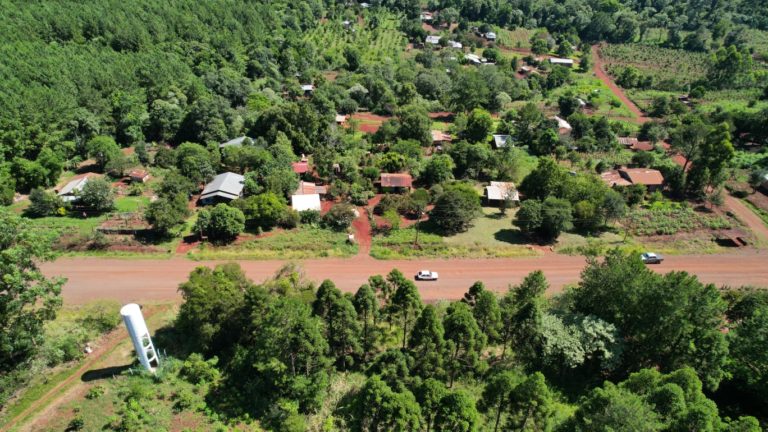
x: 426, y: 275
x: 651, y: 258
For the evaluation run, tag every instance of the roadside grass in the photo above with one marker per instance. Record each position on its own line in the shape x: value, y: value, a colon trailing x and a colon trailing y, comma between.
x: 302, y: 243
x: 578, y: 244
x: 671, y: 218
x: 491, y: 236
x: 762, y: 214
x: 68, y: 224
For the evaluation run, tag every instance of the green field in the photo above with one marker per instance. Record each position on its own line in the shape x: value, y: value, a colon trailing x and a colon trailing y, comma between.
x: 491, y: 236
x: 670, y: 68
x: 302, y: 243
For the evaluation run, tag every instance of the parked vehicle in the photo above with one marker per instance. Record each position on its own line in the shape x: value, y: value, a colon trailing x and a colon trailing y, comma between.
x: 651, y: 258
x: 426, y: 275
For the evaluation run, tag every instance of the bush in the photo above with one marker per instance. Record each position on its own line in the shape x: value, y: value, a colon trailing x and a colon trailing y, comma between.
x: 101, y: 316
x: 197, y: 370
x: 339, y: 218
x: 387, y: 202
x: 222, y: 224
x: 97, y: 195
x: 289, y: 219
x: 76, y: 424
x: 43, y: 204
x: 95, y: 392
x: 309, y: 217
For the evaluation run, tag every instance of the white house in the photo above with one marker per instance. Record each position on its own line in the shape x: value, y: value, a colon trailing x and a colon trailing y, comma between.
x: 456, y: 45
x: 555, y: 61
x: 491, y: 36
x: 305, y: 202
x: 432, y: 39
x: 563, y: 126
x: 473, y: 58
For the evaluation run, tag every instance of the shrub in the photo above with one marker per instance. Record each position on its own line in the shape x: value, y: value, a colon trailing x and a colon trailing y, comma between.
x: 43, y: 204
x: 76, y: 424
x: 309, y: 217
x: 95, y: 392
x: 197, y: 370
x: 340, y: 217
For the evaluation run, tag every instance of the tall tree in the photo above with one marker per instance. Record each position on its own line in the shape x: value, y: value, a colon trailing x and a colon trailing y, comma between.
x: 406, y: 305
x: 427, y: 343
x: 367, y: 307
x: 378, y: 407
x: 29, y: 298
x: 465, y: 340
x: 456, y: 413
x: 522, y: 309
x: 497, y: 394
x: 487, y: 313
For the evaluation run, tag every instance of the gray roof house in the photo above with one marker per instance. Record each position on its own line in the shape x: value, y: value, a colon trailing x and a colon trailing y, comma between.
x: 70, y: 191
x: 224, y: 187
x: 237, y: 142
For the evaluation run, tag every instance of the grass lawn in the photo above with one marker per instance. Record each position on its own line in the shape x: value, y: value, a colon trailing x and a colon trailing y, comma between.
x: 586, y: 85
x: 491, y: 236
x: 302, y: 243
x: 131, y: 204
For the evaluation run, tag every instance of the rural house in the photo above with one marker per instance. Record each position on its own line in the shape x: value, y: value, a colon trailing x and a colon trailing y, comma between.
x: 300, y: 167
x: 139, y: 176
x: 223, y: 188
x: 236, y: 142
x: 306, y: 202
x: 71, y: 190
x: 563, y: 127
x: 491, y: 36
x: 432, y: 40
x: 397, y: 182
x: 309, y: 188
x: 652, y: 179
x: 440, y: 138
x: 497, y: 192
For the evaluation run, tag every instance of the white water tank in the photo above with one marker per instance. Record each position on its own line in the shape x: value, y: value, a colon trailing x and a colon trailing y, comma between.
x: 137, y: 329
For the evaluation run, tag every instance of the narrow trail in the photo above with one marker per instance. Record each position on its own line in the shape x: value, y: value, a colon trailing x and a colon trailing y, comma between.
x: 59, y: 393
x: 750, y: 219
x: 603, y: 76
x: 363, y: 232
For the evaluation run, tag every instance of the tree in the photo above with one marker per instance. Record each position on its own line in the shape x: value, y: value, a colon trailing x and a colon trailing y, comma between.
x: 367, y: 307
x: 521, y: 312
x: 439, y: 169
x: 465, y: 340
x: 378, y: 407
x: 497, y: 394
x: 455, y: 209
x: 488, y: 315
x: 339, y: 217
x: 427, y: 343
x: 556, y: 218
x: 167, y: 213
x: 342, y: 329
x: 29, y: 298
x: 103, y: 149
x: 428, y: 395
x: 479, y: 126
x: 222, y: 224
x: 194, y: 162
x: 414, y: 124
x: 530, y: 217
x: 547, y: 179
x: 263, y: 211
x: 174, y: 184
x: 406, y: 305
x: 624, y: 292
x: 208, y: 317
x: 748, y: 359
x: 456, y: 412
x: 97, y: 195
x: 610, y: 408
x: 532, y: 405
x: 42, y: 204
x: 28, y: 174
x: 7, y: 188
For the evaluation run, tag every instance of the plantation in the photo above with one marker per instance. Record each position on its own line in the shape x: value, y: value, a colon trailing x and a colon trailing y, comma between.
x: 665, y: 219
x: 670, y: 69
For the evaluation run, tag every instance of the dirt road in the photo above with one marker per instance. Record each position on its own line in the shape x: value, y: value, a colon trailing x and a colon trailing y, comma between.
x: 603, y: 76
x: 746, y: 215
x: 144, y: 280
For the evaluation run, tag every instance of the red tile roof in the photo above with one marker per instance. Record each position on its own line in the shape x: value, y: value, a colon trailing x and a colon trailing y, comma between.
x: 642, y: 146
x: 300, y: 167
x: 613, y: 178
x: 644, y: 176
x: 396, y: 180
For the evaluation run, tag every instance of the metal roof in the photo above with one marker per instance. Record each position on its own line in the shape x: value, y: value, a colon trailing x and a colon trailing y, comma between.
x: 227, y: 185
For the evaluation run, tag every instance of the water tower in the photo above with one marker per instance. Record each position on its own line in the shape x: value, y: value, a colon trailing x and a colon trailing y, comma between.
x: 137, y: 328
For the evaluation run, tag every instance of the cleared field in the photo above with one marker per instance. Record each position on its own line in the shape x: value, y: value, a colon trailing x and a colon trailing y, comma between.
x: 670, y: 68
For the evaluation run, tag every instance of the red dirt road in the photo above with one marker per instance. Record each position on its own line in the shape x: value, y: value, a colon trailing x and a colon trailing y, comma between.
x: 144, y: 280
x: 603, y: 76
x: 746, y: 215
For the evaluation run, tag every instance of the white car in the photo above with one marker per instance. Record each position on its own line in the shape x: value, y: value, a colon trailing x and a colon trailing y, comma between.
x: 426, y: 275
x: 651, y: 258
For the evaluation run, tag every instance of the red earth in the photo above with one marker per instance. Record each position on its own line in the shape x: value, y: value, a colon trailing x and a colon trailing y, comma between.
x: 92, y: 278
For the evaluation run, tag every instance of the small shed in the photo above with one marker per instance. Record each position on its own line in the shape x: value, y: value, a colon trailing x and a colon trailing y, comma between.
x: 490, y: 36
x: 455, y: 45
x: 501, y: 141
x: 341, y: 119
x: 306, y: 202
x: 651, y: 178
x: 563, y: 127
x: 555, y: 61
x: 300, y: 167
x: 432, y: 40
x: 139, y: 175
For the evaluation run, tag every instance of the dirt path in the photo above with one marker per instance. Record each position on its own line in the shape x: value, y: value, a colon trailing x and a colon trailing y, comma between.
x: 61, y: 392
x: 603, y: 76
x: 363, y: 233
x: 750, y: 219
x: 147, y: 280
